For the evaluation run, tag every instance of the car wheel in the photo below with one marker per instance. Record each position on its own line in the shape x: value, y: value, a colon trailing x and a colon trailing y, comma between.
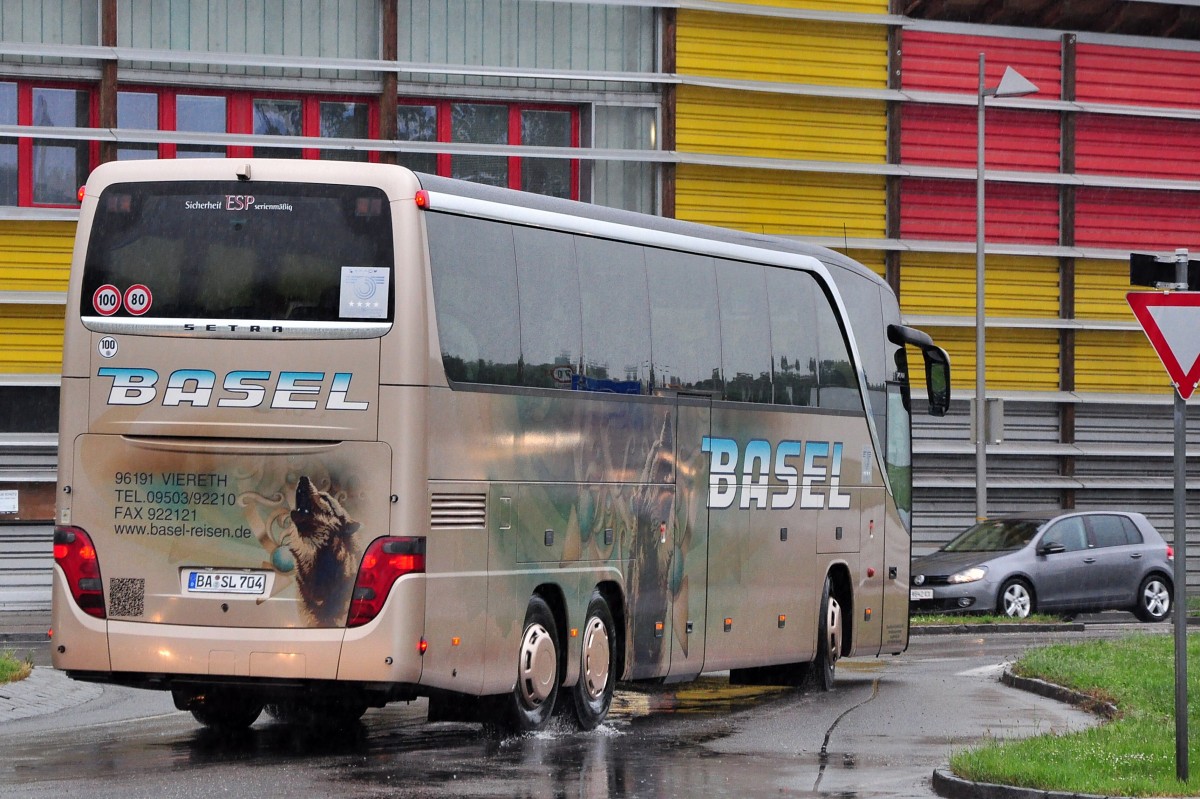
x: 593, y: 692
x: 1016, y: 599
x: 531, y: 704
x: 830, y: 629
x: 1153, y: 599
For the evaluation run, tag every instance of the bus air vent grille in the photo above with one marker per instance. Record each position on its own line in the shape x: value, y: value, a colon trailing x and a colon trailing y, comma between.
x: 458, y: 510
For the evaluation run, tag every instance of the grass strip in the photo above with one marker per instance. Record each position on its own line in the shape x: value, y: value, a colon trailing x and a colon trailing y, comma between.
x: 1133, y: 755
x: 13, y: 668
x: 937, y: 619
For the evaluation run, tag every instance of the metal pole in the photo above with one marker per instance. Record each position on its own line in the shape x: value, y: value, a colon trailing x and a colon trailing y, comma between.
x: 980, y: 373
x: 1180, y: 598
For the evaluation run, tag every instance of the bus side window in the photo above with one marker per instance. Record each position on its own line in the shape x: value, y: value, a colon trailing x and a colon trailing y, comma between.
x: 616, y: 316
x: 745, y: 332
x: 475, y: 290
x: 684, y: 324
x: 548, y: 282
x: 792, y: 303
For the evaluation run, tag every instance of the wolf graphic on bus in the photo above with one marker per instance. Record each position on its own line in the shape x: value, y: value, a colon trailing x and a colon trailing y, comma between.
x: 325, y: 552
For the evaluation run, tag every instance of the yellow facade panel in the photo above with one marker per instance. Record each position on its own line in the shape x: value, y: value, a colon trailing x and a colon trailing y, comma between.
x: 944, y: 284
x: 31, y: 339
x: 752, y: 48
x: 782, y: 203
x: 780, y: 126
x: 35, y: 256
x: 1118, y: 361
x: 1017, y: 360
x: 1100, y: 289
x: 853, y: 6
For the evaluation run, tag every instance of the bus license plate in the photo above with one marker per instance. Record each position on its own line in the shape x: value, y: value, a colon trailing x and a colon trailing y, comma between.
x: 920, y: 593
x: 226, y: 582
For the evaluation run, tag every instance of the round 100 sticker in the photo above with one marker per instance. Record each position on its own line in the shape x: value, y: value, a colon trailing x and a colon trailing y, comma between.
x: 137, y: 299
x: 106, y: 300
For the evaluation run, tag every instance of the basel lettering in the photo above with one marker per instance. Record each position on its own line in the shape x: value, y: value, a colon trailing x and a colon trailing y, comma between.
x: 240, y: 389
x: 809, y: 472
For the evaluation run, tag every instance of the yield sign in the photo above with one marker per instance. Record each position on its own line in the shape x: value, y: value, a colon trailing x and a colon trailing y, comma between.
x: 1172, y: 323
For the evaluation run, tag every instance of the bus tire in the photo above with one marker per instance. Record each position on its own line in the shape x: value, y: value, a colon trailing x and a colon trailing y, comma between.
x: 830, y: 629
x: 593, y: 692
x: 531, y: 704
x: 229, y: 711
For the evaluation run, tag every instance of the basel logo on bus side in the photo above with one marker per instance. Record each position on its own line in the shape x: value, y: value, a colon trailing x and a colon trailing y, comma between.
x: 801, y: 470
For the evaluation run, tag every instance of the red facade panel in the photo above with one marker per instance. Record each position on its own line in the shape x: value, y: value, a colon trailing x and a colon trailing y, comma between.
x: 1125, y: 219
x: 1137, y: 146
x: 945, y: 210
x: 1136, y: 76
x: 943, y: 62
x: 941, y: 135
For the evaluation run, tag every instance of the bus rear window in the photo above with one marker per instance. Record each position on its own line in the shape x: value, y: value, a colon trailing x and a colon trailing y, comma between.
x: 239, y: 251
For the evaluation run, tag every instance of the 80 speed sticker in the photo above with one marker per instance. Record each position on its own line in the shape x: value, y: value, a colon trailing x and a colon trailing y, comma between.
x: 137, y: 299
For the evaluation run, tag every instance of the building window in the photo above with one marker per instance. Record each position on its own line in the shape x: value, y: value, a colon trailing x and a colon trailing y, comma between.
x: 198, y: 113
x: 138, y: 111
x: 8, y: 147
x: 497, y: 124
x: 60, y: 166
x: 340, y: 120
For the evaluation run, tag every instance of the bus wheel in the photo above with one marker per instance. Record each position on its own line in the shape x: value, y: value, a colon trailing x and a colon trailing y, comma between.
x: 829, y: 639
x: 593, y: 692
x: 532, y: 701
x: 225, y: 710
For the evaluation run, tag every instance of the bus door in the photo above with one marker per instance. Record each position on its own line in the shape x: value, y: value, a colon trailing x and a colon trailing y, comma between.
x: 688, y: 569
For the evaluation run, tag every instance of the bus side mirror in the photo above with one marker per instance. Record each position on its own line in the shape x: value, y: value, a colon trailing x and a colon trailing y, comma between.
x: 937, y: 365
x: 937, y: 379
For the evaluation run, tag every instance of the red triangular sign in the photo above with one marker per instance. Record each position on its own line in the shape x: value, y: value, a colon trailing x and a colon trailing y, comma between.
x: 1172, y: 323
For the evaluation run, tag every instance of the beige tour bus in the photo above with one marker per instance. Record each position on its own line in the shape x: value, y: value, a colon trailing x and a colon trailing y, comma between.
x: 335, y: 435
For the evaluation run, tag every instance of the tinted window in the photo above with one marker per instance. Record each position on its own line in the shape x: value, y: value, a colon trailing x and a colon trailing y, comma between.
x: 994, y: 535
x: 685, y: 330
x: 207, y: 250
x: 792, y: 301
x: 745, y: 331
x: 1132, y: 534
x: 616, y: 316
x: 548, y: 283
x: 475, y: 288
x: 1069, y: 533
x: 1107, y: 531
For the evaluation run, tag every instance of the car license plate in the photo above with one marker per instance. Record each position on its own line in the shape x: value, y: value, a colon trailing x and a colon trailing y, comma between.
x: 920, y: 593
x: 212, y: 581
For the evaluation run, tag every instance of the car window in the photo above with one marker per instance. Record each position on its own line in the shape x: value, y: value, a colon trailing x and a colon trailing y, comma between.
x: 1068, y: 532
x: 1132, y: 534
x: 995, y: 535
x: 1107, y: 531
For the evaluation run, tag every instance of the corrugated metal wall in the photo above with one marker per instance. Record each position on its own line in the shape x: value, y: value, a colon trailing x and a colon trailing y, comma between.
x: 35, y: 256
x: 781, y: 126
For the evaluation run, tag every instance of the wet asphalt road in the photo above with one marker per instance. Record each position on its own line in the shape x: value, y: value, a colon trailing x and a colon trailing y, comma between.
x: 882, y: 731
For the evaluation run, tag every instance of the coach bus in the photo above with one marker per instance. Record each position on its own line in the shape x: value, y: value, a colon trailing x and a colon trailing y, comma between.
x: 335, y: 435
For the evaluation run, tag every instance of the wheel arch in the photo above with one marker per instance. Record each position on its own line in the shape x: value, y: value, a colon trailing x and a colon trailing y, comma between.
x: 611, y: 591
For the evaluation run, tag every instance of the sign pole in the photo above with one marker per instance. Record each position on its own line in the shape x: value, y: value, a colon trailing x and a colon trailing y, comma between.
x: 1180, y: 598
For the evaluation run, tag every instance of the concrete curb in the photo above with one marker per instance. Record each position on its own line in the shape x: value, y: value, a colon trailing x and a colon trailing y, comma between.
x: 947, y: 785
x: 958, y: 629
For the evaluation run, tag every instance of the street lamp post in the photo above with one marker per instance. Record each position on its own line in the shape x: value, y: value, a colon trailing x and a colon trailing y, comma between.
x: 1012, y: 84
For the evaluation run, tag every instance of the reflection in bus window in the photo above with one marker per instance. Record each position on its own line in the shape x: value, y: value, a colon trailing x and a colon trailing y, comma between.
x: 684, y: 325
x: 616, y: 316
x: 745, y: 332
x: 549, y: 302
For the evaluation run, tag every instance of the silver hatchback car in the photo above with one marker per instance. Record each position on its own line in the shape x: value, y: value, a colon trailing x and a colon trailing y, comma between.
x: 1068, y: 563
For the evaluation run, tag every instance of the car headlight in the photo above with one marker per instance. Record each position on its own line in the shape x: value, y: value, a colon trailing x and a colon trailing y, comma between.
x: 968, y: 575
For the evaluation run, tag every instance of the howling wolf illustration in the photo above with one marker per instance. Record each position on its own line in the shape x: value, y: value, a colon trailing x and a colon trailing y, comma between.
x: 326, y: 558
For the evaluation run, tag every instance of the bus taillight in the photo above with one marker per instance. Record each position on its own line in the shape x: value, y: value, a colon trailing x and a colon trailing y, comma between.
x: 387, y: 560
x: 76, y: 556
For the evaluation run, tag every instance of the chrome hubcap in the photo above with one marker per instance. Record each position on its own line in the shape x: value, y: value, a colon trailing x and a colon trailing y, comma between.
x: 595, y: 658
x: 1156, y: 599
x: 536, y: 669
x: 1016, y: 602
x: 833, y: 628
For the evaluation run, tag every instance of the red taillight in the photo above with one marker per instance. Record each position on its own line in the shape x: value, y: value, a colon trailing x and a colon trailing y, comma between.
x: 1170, y: 552
x: 386, y: 560
x: 422, y: 199
x: 75, y: 555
